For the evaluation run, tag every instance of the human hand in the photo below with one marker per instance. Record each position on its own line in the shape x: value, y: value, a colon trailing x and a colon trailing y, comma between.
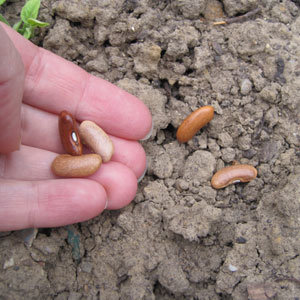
x: 35, y: 86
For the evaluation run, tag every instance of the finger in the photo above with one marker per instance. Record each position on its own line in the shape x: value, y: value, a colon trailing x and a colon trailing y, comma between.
x: 40, y: 130
x: 11, y: 91
x: 54, y: 84
x: 27, y: 164
x: 130, y: 154
x: 119, y: 181
x: 49, y: 203
x: 120, y: 184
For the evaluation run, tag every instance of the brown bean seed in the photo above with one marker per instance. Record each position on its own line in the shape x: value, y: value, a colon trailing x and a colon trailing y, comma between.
x: 69, y: 133
x: 233, y: 174
x: 66, y: 165
x: 92, y: 135
x: 194, y: 122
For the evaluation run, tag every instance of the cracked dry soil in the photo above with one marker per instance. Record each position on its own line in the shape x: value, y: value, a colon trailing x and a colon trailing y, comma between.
x: 179, y: 238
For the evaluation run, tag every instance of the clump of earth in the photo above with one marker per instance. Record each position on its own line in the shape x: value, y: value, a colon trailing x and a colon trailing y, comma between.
x: 180, y: 238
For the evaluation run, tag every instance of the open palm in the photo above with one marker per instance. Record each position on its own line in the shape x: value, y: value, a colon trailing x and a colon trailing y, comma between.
x: 39, y: 84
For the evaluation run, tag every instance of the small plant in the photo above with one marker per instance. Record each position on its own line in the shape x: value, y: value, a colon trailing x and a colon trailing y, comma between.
x: 29, y: 21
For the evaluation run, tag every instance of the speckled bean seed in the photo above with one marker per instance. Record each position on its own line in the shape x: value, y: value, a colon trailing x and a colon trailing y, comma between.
x: 194, y: 122
x: 233, y: 174
x: 66, y: 165
x: 95, y: 138
x: 69, y: 135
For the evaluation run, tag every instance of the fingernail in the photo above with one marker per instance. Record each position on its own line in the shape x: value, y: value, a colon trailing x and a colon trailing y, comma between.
x: 106, y: 204
x: 144, y: 173
x: 148, y: 134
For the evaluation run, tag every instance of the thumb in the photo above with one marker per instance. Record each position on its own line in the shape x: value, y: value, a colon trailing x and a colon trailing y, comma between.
x: 11, y: 92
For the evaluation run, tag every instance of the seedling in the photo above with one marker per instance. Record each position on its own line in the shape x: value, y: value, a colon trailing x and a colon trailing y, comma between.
x: 29, y: 21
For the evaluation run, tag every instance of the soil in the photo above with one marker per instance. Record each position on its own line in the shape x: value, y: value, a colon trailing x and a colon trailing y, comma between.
x: 180, y: 238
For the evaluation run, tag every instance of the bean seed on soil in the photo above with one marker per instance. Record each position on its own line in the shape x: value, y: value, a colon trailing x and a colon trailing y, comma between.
x: 233, y: 174
x: 194, y: 122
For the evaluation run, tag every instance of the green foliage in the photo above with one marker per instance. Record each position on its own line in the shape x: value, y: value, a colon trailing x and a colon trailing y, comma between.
x: 2, y: 19
x: 29, y: 21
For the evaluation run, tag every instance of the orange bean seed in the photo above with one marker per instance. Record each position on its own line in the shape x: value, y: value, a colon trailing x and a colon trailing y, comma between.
x: 66, y: 165
x: 233, y: 174
x: 194, y: 122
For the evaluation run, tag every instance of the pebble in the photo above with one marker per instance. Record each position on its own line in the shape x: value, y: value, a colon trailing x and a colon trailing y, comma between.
x: 232, y: 268
x: 245, y: 86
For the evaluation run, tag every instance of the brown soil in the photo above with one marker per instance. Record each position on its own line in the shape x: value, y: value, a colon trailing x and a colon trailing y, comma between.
x: 180, y: 238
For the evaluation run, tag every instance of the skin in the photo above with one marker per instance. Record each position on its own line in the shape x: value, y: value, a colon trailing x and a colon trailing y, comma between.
x: 41, y: 85
x: 232, y: 174
x: 194, y: 122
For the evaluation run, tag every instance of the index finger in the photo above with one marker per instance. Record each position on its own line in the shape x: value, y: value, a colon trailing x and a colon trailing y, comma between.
x: 55, y: 84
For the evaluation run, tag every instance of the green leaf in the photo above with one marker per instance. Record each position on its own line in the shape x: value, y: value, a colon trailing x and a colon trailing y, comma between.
x: 37, y: 23
x: 17, y: 25
x: 21, y: 29
x: 2, y: 19
x: 30, y: 10
x: 2, y: 1
x: 28, y: 32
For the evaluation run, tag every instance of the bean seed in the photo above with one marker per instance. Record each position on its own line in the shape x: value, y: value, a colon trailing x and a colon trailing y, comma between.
x: 233, y: 174
x: 194, y: 122
x: 66, y: 165
x: 69, y: 133
x: 96, y: 139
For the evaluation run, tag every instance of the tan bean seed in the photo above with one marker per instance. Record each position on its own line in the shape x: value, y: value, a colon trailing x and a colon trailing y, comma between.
x: 66, y: 165
x: 96, y: 139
